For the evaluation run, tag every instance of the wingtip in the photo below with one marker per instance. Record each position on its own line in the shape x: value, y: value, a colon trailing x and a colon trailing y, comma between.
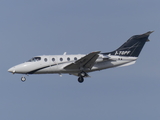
x: 96, y: 52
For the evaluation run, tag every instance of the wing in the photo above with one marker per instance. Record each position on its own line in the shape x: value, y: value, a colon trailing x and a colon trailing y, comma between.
x: 85, y: 62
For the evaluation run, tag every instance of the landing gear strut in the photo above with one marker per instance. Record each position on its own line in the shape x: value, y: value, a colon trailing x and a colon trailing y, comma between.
x: 23, y: 79
x: 81, y: 75
x: 80, y: 79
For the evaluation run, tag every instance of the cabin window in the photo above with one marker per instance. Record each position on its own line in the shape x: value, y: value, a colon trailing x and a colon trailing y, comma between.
x: 45, y: 59
x: 53, y: 59
x: 75, y: 58
x: 68, y: 59
x: 61, y: 59
x: 35, y: 59
x: 119, y: 58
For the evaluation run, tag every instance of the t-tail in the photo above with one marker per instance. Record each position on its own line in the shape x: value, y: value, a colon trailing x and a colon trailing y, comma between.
x: 132, y: 47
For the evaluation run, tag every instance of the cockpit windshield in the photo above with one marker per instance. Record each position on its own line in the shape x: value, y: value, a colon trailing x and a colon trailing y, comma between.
x: 35, y: 59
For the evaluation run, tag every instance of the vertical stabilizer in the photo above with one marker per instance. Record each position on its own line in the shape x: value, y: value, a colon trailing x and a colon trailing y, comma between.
x: 133, y: 46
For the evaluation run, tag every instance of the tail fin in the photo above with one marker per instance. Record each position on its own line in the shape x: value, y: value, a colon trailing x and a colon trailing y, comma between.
x: 133, y: 46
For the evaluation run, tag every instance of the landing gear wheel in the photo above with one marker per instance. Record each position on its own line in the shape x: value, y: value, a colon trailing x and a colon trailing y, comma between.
x: 80, y: 79
x: 23, y: 79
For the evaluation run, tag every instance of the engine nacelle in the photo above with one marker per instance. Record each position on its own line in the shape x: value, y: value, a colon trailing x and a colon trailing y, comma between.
x: 102, y: 58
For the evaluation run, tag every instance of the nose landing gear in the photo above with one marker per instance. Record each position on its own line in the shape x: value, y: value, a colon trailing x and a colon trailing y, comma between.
x: 23, y: 79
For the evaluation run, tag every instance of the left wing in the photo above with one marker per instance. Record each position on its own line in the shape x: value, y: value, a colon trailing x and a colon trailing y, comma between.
x: 85, y: 62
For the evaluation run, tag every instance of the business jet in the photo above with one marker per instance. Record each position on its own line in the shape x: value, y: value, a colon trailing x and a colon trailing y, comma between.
x: 80, y: 65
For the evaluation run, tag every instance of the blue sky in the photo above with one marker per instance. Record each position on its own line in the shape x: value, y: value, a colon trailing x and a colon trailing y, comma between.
x: 37, y: 27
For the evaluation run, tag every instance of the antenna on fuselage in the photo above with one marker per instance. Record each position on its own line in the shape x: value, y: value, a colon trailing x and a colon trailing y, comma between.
x: 64, y: 53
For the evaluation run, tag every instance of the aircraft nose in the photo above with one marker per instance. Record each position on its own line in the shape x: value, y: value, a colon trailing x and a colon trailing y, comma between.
x: 12, y: 70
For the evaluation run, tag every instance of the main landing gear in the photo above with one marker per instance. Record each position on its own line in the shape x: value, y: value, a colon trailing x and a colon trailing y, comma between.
x: 81, y: 77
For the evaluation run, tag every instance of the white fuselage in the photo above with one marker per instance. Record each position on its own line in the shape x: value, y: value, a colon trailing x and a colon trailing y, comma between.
x: 48, y: 64
x: 80, y: 65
